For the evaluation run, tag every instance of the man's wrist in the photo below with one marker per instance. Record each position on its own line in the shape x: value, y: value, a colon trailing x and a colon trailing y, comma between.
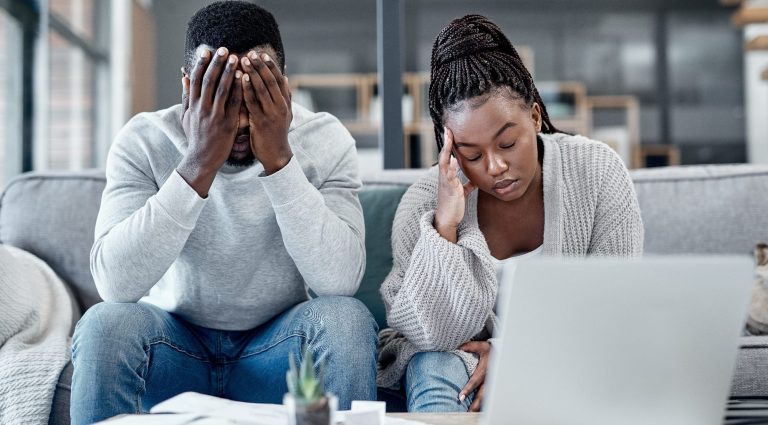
x: 277, y: 163
x: 198, y: 176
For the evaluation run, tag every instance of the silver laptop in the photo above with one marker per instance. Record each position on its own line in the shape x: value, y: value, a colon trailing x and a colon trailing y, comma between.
x: 605, y: 341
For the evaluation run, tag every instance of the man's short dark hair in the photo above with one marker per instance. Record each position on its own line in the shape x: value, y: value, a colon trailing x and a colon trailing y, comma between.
x: 237, y: 25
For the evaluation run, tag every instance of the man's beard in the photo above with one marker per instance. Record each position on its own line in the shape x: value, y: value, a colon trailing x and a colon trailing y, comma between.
x: 245, y: 161
x: 236, y: 158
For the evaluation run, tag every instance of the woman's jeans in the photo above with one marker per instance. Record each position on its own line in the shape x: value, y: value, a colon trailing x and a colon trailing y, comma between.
x: 432, y: 383
x: 129, y: 357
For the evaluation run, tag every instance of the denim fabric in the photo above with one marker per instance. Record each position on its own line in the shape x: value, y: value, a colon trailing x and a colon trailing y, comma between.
x: 129, y: 357
x: 432, y: 383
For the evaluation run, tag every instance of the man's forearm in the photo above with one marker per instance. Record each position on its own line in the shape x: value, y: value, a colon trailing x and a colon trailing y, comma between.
x: 322, y: 232
x: 131, y: 255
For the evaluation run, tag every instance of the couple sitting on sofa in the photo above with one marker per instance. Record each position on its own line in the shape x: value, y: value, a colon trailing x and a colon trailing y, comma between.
x: 218, y: 214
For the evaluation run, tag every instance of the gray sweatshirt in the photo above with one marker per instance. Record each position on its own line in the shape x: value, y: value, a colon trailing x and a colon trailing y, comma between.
x: 247, y: 252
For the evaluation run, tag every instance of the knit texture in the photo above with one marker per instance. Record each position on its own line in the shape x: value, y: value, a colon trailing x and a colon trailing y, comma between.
x: 36, y: 316
x: 440, y: 295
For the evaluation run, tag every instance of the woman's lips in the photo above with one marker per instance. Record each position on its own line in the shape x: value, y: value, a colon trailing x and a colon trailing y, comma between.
x: 506, y: 187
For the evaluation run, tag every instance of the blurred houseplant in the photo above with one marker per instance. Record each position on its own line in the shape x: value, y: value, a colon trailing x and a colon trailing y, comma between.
x: 306, y: 400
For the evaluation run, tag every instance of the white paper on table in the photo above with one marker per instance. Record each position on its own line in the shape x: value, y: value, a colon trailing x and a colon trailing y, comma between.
x: 215, y: 407
x: 172, y: 419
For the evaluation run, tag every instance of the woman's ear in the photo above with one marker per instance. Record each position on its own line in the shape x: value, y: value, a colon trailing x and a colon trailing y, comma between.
x: 536, y: 116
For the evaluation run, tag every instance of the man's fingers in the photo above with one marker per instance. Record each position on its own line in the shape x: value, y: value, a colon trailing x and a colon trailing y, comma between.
x: 211, y: 77
x: 251, y: 103
x: 477, y: 402
x: 282, y: 82
x: 224, y: 90
x: 260, y: 91
x: 184, y: 93
x: 196, y: 77
x: 287, y: 86
x: 266, y: 68
x: 235, y: 96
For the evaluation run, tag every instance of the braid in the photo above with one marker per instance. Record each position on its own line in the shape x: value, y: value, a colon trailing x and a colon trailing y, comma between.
x: 472, y: 57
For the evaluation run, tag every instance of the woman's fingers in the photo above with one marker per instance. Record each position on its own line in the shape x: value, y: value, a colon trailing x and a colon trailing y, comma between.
x: 475, y: 381
x: 445, y: 154
x: 478, y: 400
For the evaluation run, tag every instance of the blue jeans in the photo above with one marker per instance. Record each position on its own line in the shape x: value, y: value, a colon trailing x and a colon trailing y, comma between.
x: 432, y: 383
x: 129, y: 357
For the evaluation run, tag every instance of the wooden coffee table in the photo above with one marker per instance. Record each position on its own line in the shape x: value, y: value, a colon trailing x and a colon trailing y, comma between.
x: 440, y: 418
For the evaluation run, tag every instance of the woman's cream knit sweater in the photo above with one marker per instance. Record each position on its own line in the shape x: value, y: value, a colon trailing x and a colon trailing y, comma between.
x: 440, y: 295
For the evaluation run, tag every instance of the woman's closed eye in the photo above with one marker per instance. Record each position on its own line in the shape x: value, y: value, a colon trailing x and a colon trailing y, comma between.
x: 509, y: 146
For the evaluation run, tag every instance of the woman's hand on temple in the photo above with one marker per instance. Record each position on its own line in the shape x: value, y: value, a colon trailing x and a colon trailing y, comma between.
x: 451, y: 194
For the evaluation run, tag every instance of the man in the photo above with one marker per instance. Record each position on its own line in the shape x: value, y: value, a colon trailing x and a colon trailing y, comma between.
x: 216, y: 214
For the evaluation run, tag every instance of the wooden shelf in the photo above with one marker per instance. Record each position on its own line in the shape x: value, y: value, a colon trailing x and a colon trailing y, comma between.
x: 758, y: 43
x: 671, y: 153
x: 628, y: 147
x: 749, y: 15
x: 764, y: 75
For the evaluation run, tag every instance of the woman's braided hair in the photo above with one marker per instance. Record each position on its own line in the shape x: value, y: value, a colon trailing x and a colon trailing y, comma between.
x: 472, y: 57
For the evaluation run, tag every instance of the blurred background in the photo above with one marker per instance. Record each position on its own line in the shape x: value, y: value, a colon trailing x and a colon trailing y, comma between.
x: 664, y: 82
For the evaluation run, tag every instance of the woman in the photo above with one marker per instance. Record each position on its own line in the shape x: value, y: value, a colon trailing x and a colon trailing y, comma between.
x: 526, y: 189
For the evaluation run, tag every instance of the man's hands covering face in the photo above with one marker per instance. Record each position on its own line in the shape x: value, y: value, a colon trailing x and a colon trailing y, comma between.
x: 268, y: 100
x: 211, y: 104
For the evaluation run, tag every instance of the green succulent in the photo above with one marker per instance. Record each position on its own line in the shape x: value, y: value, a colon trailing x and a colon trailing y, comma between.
x: 303, y: 384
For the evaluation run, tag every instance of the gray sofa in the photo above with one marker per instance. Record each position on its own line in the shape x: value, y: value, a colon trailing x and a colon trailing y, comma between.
x: 701, y: 209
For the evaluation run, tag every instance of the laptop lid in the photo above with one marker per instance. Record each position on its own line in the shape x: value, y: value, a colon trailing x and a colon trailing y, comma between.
x: 607, y: 341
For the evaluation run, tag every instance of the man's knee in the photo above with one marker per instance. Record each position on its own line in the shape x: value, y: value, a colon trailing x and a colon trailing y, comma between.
x: 112, y: 323
x: 343, y: 318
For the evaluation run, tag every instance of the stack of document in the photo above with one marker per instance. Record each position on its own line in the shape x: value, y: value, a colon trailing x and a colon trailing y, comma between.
x: 199, y: 409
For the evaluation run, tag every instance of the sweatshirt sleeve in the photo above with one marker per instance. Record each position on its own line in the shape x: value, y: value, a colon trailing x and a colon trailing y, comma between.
x: 141, y: 228
x: 322, y: 228
x: 618, y: 227
x: 438, y: 294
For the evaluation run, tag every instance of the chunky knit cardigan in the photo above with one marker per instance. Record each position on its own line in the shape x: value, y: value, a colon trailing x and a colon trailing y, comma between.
x: 440, y: 295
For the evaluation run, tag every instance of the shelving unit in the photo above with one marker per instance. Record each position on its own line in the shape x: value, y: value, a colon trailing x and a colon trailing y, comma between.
x: 567, y: 102
x: 746, y: 15
x: 567, y: 105
x: 624, y: 139
x: 757, y: 43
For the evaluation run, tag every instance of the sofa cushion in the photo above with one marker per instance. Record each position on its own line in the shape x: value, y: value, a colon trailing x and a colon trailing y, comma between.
x: 379, y: 203
x: 749, y: 377
x: 712, y: 209
x: 52, y: 215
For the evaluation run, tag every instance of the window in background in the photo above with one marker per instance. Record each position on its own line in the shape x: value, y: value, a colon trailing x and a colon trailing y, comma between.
x: 78, y: 15
x: 75, y: 60
x: 71, y: 110
x: 10, y: 99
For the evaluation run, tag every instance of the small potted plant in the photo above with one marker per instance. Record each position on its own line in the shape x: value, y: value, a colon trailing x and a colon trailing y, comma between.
x: 306, y: 400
